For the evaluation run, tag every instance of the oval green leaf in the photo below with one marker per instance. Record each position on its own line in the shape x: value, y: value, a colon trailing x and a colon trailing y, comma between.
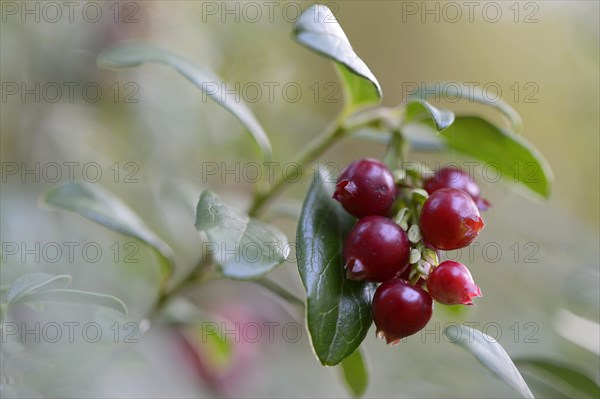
x: 570, y: 382
x: 490, y: 353
x: 243, y: 247
x: 355, y: 374
x: 338, y: 310
x: 133, y: 55
x: 471, y: 94
x: 421, y: 111
x: 509, y: 154
x: 318, y: 30
x: 100, y: 206
x: 31, y: 282
x: 76, y: 297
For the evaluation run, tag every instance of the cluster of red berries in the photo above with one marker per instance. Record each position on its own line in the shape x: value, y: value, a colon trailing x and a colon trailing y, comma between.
x: 403, y: 223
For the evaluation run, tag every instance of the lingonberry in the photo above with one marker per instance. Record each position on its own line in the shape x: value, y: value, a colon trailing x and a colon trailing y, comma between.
x: 376, y: 249
x: 366, y: 187
x: 400, y: 309
x: 451, y: 283
x: 450, y: 177
x: 450, y: 219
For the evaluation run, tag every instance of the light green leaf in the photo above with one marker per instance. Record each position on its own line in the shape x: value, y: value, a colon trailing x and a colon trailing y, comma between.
x: 421, y: 111
x: 245, y: 248
x: 31, y: 282
x: 338, y: 310
x: 100, y: 206
x: 490, y: 353
x: 504, y: 152
x: 76, y: 297
x: 133, y: 55
x: 355, y: 374
x: 560, y: 378
x: 318, y: 30
x: 471, y: 94
x: 417, y: 142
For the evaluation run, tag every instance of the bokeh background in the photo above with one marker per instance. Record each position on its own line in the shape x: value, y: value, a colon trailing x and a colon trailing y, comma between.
x: 151, y: 134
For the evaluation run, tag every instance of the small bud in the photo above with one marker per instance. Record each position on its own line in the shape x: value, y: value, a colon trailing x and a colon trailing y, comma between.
x: 415, y: 256
x: 414, y: 234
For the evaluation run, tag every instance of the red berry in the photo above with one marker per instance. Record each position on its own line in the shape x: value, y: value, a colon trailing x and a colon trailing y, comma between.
x: 400, y: 310
x: 451, y: 283
x: 450, y: 177
x: 376, y: 249
x: 366, y: 187
x: 450, y: 219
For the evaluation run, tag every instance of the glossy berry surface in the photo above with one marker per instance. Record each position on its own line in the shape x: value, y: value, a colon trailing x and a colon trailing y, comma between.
x: 450, y: 219
x: 376, y: 249
x: 400, y: 309
x: 451, y: 283
x: 366, y: 187
x: 450, y: 177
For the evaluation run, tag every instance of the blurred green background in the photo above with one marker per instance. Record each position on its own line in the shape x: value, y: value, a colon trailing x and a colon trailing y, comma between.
x: 153, y: 126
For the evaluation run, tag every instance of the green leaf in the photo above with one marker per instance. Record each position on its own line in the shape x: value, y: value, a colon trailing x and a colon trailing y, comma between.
x: 133, y: 55
x: 318, y: 30
x: 416, y: 142
x: 355, y: 374
x: 76, y: 297
x: 491, y: 354
x: 244, y: 248
x: 421, y: 110
x: 560, y: 378
x: 338, y: 310
x: 504, y: 152
x: 100, y: 206
x: 31, y: 282
x: 471, y: 94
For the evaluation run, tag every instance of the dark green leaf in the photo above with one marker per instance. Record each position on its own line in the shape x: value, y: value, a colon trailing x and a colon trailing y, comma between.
x: 472, y: 94
x: 491, y: 354
x: 354, y: 371
x: 76, y: 297
x: 133, y: 55
x: 502, y: 151
x: 421, y: 110
x: 31, y: 282
x: 245, y: 248
x: 318, y: 30
x: 560, y: 377
x: 338, y: 310
x: 100, y: 206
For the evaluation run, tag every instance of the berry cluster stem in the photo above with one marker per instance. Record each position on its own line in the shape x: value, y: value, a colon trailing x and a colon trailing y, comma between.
x: 338, y: 129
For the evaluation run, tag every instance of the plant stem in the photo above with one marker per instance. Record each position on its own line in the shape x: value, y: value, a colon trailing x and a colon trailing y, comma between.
x: 335, y: 131
x: 311, y: 152
x: 281, y: 292
x: 198, y: 274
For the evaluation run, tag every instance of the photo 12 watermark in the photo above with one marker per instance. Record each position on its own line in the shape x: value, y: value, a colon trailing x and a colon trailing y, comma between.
x: 264, y: 11
x: 492, y: 92
x: 271, y: 92
x: 69, y: 171
x: 451, y: 12
x: 52, y: 12
x: 69, y: 252
x: 253, y: 332
x: 517, y: 332
x: 70, y: 92
x: 69, y: 332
